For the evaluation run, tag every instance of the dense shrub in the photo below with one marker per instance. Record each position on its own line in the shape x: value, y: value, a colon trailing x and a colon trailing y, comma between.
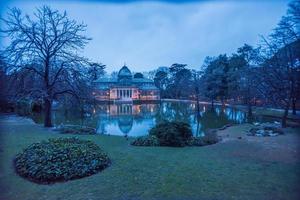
x: 196, y: 141
x: 60, y: 159
x: 149, y: 140
x: 175, y: 134
x: 76, y: 130
x: 210, y: 137
x: 23, y: 108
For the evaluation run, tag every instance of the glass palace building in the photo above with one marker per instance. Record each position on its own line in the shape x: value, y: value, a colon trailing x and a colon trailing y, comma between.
x: 126, y: 87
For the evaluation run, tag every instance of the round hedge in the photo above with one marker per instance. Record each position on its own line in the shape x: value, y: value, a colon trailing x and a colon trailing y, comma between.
x: 60, y: 159
x: 148, y: 140
x: 175, y: 133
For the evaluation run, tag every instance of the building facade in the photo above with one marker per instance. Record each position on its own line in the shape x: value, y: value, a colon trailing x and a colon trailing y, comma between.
x: 126, y: 87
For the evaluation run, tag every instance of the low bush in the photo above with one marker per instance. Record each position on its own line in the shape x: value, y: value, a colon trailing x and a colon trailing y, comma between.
x: 196, y: 141
x: 175, y: 134
x: 75, y: 130
x: 60, y: 159
x: 149, y: 140
x: 210, y: 137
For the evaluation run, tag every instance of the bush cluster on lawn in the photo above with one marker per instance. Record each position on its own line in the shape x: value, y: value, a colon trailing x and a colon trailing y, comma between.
x: 148, y: 140
x: 175, y: 134
x: 60, y: 159
x: 75, y: 130
x: 210, y: 137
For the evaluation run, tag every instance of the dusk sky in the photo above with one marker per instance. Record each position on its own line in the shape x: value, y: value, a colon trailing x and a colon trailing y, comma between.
x: 149, y: 34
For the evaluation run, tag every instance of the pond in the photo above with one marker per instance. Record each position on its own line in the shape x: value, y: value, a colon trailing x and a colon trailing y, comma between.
x: 136, y: 119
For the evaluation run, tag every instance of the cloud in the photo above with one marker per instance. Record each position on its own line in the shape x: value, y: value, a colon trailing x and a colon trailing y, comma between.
x: 149, y: 34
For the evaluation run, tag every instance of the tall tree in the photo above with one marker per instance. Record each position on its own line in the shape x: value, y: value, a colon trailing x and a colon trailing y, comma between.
x: 246, y: 60
x: 196, y: 84
x: 280, y: 65
x: 180, y: 80
x: 161, y: 81
x: 51, y: 41
x: 216, y: 78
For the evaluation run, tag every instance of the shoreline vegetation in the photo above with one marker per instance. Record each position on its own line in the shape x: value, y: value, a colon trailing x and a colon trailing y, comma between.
x: 261, y: 167
x: 275, y: 113
x: 256, y: 110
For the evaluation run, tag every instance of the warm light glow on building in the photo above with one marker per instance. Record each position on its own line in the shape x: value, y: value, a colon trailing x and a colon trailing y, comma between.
x: 125, y: 88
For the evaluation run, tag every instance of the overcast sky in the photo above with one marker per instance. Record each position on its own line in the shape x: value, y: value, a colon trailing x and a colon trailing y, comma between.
x: 149, y: 34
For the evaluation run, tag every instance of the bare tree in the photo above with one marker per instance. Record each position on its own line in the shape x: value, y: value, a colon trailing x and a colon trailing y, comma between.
x: 280, y: 66
x: 47, y: 45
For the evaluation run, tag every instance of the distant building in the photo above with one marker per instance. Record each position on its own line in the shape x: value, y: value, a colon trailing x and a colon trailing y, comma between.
x: 125, y: 87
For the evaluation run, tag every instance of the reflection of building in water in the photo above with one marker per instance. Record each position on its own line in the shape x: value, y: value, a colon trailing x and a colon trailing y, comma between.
x: 125, y: 123
x: 126, y: 87
x: 123, y: 116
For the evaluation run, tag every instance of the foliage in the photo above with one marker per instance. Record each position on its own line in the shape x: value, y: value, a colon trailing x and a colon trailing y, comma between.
x: 149, y: 140
x: 180, y: 81
x: 210, y: 137
x: 217, y: 78
x: 76, y: 130
x: 138, y: 75
x: 173, y: 133
x: 22, y: 107
x: 161, y: 81
x: 60, y: 159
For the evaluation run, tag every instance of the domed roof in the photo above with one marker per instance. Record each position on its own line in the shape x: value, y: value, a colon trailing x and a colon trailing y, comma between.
x: 124, y: 72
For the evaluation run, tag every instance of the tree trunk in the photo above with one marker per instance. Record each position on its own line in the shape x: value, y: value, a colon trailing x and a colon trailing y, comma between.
x: 285, y: 115
x: 284, y: 118
x: 250, y: 110
x: 294, y: 106
x: 198, y: 106
x: 48, y: 107
x: 249, y: 107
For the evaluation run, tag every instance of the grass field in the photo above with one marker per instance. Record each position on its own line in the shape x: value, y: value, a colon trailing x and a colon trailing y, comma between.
x: 245, y: 168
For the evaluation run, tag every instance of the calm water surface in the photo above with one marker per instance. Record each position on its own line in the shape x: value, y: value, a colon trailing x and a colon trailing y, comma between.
x: 136, y: 119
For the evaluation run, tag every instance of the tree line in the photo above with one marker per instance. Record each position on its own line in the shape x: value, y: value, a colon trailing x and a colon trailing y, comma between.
x: 43, y: 63
x: 265, y: 75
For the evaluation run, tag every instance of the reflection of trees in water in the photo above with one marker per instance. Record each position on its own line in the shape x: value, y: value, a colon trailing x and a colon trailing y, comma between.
x: 125, y: 116
x: 220, y: 116
x: 174, y: 111
x: 207, y: 118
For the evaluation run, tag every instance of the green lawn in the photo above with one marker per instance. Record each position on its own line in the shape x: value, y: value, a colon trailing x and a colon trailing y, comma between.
x: 228, y: 170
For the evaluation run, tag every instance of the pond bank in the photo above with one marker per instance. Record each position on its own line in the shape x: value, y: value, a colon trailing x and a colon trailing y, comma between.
x: 257, y: 110
x: 246, y: 168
